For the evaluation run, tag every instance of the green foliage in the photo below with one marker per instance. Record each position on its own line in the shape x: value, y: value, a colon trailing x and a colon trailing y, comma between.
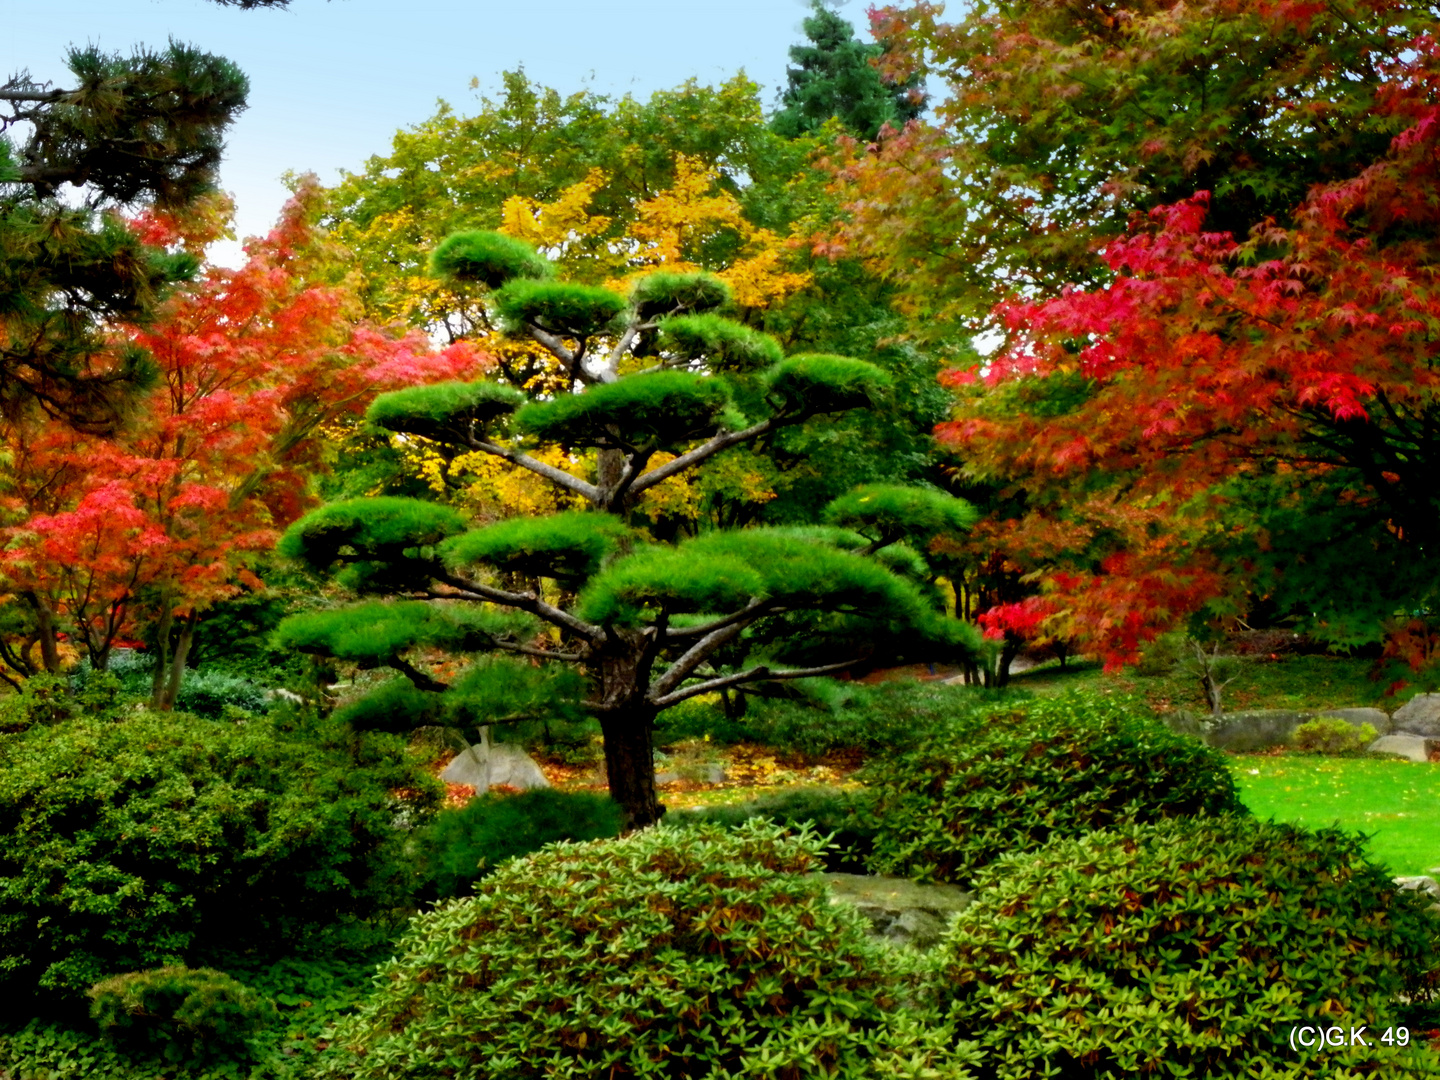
x: 1191, y: 947
x: 461, y: 846
x: 658, y: 410
x: 211, y: 692
x: 452, y: 406
x: 384, y: 529
x: 816, y: 383
x: 888, y: 512
x: 489, y: 258
x: 1009, y: 779
x: 723, y: 344
x: 835, y: 77
x: 699, y: 952
x: 179, y: 1012
x: 50, y: 699
x: 569, y: 547
x: 666, y: 293
x: 396, y: 705
x: 828, y: 811
x: 374, y: 632
x: 133, y: 840
x: 1332, y: 735
x: 559, y: 307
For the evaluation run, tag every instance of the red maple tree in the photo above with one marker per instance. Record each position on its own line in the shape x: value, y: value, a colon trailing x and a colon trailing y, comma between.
x: 152, y: 525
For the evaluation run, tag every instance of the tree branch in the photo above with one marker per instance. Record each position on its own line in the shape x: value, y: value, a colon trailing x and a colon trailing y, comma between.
x: 755, y: 674
x: 523, y: 602
x: 416, y: 676
x: 704, y: 628
x: 700, y: 453
x: 539, y: 468
x: 696, y: 654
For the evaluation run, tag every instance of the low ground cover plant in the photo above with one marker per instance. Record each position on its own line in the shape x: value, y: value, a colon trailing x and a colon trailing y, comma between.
x: 1011, y: 777
x: 667, y: 953
x: 135, y: 840
x: 1186, y: 948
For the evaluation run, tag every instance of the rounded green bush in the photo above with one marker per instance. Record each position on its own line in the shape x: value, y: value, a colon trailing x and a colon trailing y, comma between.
x: 830, y: 811
x: 668, y: 953
x: 461, y: 846
x: 138, y: 840
x: 1010, y: 778
x: 177, y: 1011
x: 489, y: 258
x: 1184, y: 949
x: 1332, y: 735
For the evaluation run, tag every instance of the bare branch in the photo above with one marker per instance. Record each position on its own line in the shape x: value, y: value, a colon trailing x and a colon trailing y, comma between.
x: 696, y: 654
x: 523, y: 602
x: 705, y: 450
x: 753, y: 607
x: 539, y: 468
x: 755, y: 674
x: 416, y: 676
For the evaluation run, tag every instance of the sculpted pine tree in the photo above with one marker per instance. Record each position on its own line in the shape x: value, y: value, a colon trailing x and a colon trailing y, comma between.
x: 579, y: 612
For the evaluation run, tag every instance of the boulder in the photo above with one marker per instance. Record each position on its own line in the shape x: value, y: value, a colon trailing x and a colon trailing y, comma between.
x: 1261, y: 729
x: 1414, y: 747
x: 1425, y: 885
x: 1419, y: 716
x: 900, y: 911
x: 507, y: 764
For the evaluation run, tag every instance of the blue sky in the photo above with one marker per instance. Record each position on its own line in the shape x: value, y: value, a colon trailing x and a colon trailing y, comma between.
x: 332, y: 80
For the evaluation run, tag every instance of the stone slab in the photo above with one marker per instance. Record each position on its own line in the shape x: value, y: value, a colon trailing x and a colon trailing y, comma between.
x: 508, y: 765
x: 900, y: 911
x: 1414, y: 747
x: 1262, y: 729
x: 1419, y: 716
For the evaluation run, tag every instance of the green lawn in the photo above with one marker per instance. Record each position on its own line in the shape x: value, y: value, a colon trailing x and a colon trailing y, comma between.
x: 1396, y: 802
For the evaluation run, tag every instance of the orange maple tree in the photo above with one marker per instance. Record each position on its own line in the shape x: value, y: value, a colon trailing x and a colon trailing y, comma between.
x: 143, y: 530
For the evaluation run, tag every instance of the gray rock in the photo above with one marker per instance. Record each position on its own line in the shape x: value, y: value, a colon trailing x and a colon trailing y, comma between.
x: 1376, y: 718
x: 508, y: 764
x: 1261, y: 729
x: 1414, y: 747
x: 1419, y: 716
x: 1425, y: 885
x: 711, y: 772
x: 900, y: 912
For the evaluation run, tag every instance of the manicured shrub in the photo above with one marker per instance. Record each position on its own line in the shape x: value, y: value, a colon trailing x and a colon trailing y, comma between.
x: 179, y: 1012
x: 207, y: 693
x: 1332, y: 735
x: 828, y: 811
x: 668, y: 953
x: 461, y: 846
x: 1012, y: 777
x: 1185, y: 949
x: 138, y: 840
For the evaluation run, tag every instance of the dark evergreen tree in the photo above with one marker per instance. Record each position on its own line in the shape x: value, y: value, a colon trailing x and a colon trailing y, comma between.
x: 130, y: 132
x: 581, y: 612
x: 835, y: 76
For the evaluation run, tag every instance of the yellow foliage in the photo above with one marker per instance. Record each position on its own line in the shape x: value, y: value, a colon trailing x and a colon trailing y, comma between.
x: 497, y: 489
x: 555, y: 224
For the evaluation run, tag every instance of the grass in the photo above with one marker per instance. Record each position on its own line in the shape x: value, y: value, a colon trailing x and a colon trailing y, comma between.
x: 1294, y: 682
x: 1396, y: 803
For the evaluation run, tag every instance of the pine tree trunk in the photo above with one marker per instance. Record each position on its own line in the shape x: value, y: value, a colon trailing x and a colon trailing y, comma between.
x: 630, y: 765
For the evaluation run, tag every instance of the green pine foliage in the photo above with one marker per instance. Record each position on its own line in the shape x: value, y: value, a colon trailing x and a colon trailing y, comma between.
x: 382, y: 529
x: 371, y: 633
x: 1188, y: 948
x: 698, y: 952
x: 662, y: 409
x: 558, y: 307
x: 884, y: 513
x: 129, y: 131
x: 569, y: 547
x: 1010, y: 778
x: 488, y: 258
x: 665, y: 293
x: 724, y: 344
x: 443, y: 407
x: 817, y: 383
x: 834, y: 76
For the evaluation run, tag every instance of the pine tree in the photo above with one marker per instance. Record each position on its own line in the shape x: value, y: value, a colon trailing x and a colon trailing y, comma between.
x: 836, y: 77
x: 580, y: 613
x: 130, y: 131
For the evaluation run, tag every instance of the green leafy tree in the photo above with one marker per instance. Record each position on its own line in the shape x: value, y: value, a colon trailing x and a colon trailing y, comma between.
x: 836, y: 76
x: 129, y: 131
x: 580, y: 612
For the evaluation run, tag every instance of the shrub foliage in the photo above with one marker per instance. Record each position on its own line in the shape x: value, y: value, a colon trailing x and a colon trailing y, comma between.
x: 179, y: 1012
x: 1185, y: 949
x: 137, y: 841
x: 1013, y: 777
x: 667, y: 953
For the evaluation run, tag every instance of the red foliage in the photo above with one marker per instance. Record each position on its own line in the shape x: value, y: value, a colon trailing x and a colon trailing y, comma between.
x: 253, y: 363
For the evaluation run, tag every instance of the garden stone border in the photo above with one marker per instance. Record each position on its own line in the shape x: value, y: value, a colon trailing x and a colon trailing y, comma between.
x: 1263, y: 729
